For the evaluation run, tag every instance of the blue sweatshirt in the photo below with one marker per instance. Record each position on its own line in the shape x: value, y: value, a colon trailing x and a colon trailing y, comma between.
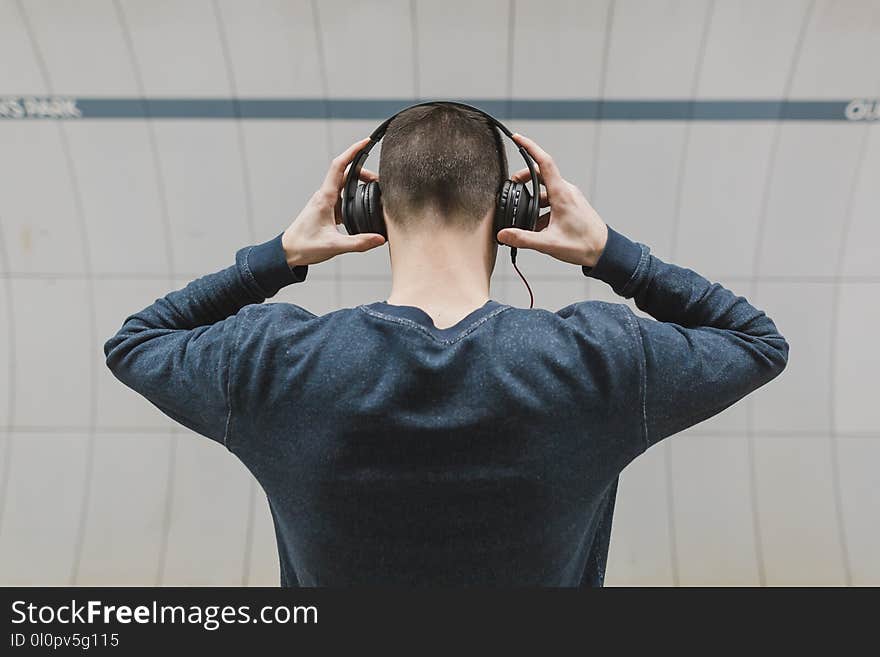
x: 488, y: 453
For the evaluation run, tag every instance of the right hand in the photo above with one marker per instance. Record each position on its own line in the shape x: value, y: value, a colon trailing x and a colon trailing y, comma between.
x: 313, y: 237
x: 572, y: 231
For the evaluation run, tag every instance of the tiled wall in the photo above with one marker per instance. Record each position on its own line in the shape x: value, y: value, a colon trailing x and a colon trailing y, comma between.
x: 99, y: 217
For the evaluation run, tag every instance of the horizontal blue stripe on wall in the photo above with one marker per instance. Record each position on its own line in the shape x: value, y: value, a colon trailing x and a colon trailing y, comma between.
x: 76, y: 108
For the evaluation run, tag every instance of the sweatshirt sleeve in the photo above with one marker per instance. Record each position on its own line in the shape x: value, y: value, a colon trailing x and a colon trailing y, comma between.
x: 177, y: 351
x: 706, y: 347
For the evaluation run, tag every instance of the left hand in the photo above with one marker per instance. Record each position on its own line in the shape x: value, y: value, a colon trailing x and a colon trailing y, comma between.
x: 572, y: 231
x: 313, y: 236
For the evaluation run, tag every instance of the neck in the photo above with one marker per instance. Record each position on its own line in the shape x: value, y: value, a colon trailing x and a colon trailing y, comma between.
x: 443, y: 271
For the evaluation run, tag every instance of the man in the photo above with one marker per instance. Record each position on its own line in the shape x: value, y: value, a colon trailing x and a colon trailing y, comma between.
x: 440, y: 437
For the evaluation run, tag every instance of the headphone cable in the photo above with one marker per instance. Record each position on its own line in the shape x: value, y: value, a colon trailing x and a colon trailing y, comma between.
x: 528, y: 287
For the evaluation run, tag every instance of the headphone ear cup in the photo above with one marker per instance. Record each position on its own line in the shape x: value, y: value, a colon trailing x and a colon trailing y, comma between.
x: 501, y: 209
x: 354, y: 219
x: 349, y: 212
x: 375, y: 217
x: 516, y: 207
x: 524, y: 209
x: 363, y: 212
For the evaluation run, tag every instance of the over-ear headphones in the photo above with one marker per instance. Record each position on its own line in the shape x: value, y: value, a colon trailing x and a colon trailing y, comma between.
x: 516, y: 206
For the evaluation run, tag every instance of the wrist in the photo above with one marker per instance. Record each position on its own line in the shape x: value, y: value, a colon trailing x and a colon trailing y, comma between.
x: 267, y: 264
x: 596, y: 246
x: 619, y: 262
x: 291, y: 255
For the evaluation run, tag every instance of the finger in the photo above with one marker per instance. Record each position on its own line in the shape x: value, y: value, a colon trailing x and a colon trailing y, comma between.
x: 543, y: 221
x: 524, y: 175
x: 365, y: 175
x: 552, y: 178
x: 523, y: 239
x: 358, y: 243
x: 333, y: 180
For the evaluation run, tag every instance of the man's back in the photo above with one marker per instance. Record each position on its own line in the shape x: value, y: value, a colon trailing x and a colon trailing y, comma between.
x: 394, y: 452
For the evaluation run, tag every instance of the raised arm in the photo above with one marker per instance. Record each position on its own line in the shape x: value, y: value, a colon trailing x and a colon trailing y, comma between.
x: 705, y: 349
x: 178, y: 351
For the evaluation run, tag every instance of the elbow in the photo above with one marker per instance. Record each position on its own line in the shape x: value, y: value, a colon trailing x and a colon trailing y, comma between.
x: 782, y: 355
x: 111, y: 352
x: 775, y: 347
x: 109, y: 344
x: 777, y: 354
x: 117, y: 348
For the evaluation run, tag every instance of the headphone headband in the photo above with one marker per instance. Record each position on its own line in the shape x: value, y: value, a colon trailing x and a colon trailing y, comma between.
x: 379, y: 132
x: 350, y: 188
x: 357, y: 164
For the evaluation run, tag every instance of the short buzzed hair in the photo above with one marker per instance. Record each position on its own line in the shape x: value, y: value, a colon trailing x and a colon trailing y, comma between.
x: 444, y: 158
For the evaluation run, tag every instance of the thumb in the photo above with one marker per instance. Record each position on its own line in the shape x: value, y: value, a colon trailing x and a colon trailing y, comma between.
x: 523, y: 239
x: 360, y: 242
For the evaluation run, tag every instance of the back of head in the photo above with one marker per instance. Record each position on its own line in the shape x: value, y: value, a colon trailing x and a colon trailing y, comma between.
x: 441, y: 159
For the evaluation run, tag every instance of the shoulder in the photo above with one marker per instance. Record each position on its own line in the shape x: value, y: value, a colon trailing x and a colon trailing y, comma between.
x: 265, y: 321
x: 605, y: 319
x: 594, y: 308
x: 259, y: 312
x: 584, y: 316
x: 270, y: 318
x: 599, y: 325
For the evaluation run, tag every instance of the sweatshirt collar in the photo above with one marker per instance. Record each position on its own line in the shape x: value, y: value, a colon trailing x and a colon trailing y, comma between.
x: 423, y: 319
